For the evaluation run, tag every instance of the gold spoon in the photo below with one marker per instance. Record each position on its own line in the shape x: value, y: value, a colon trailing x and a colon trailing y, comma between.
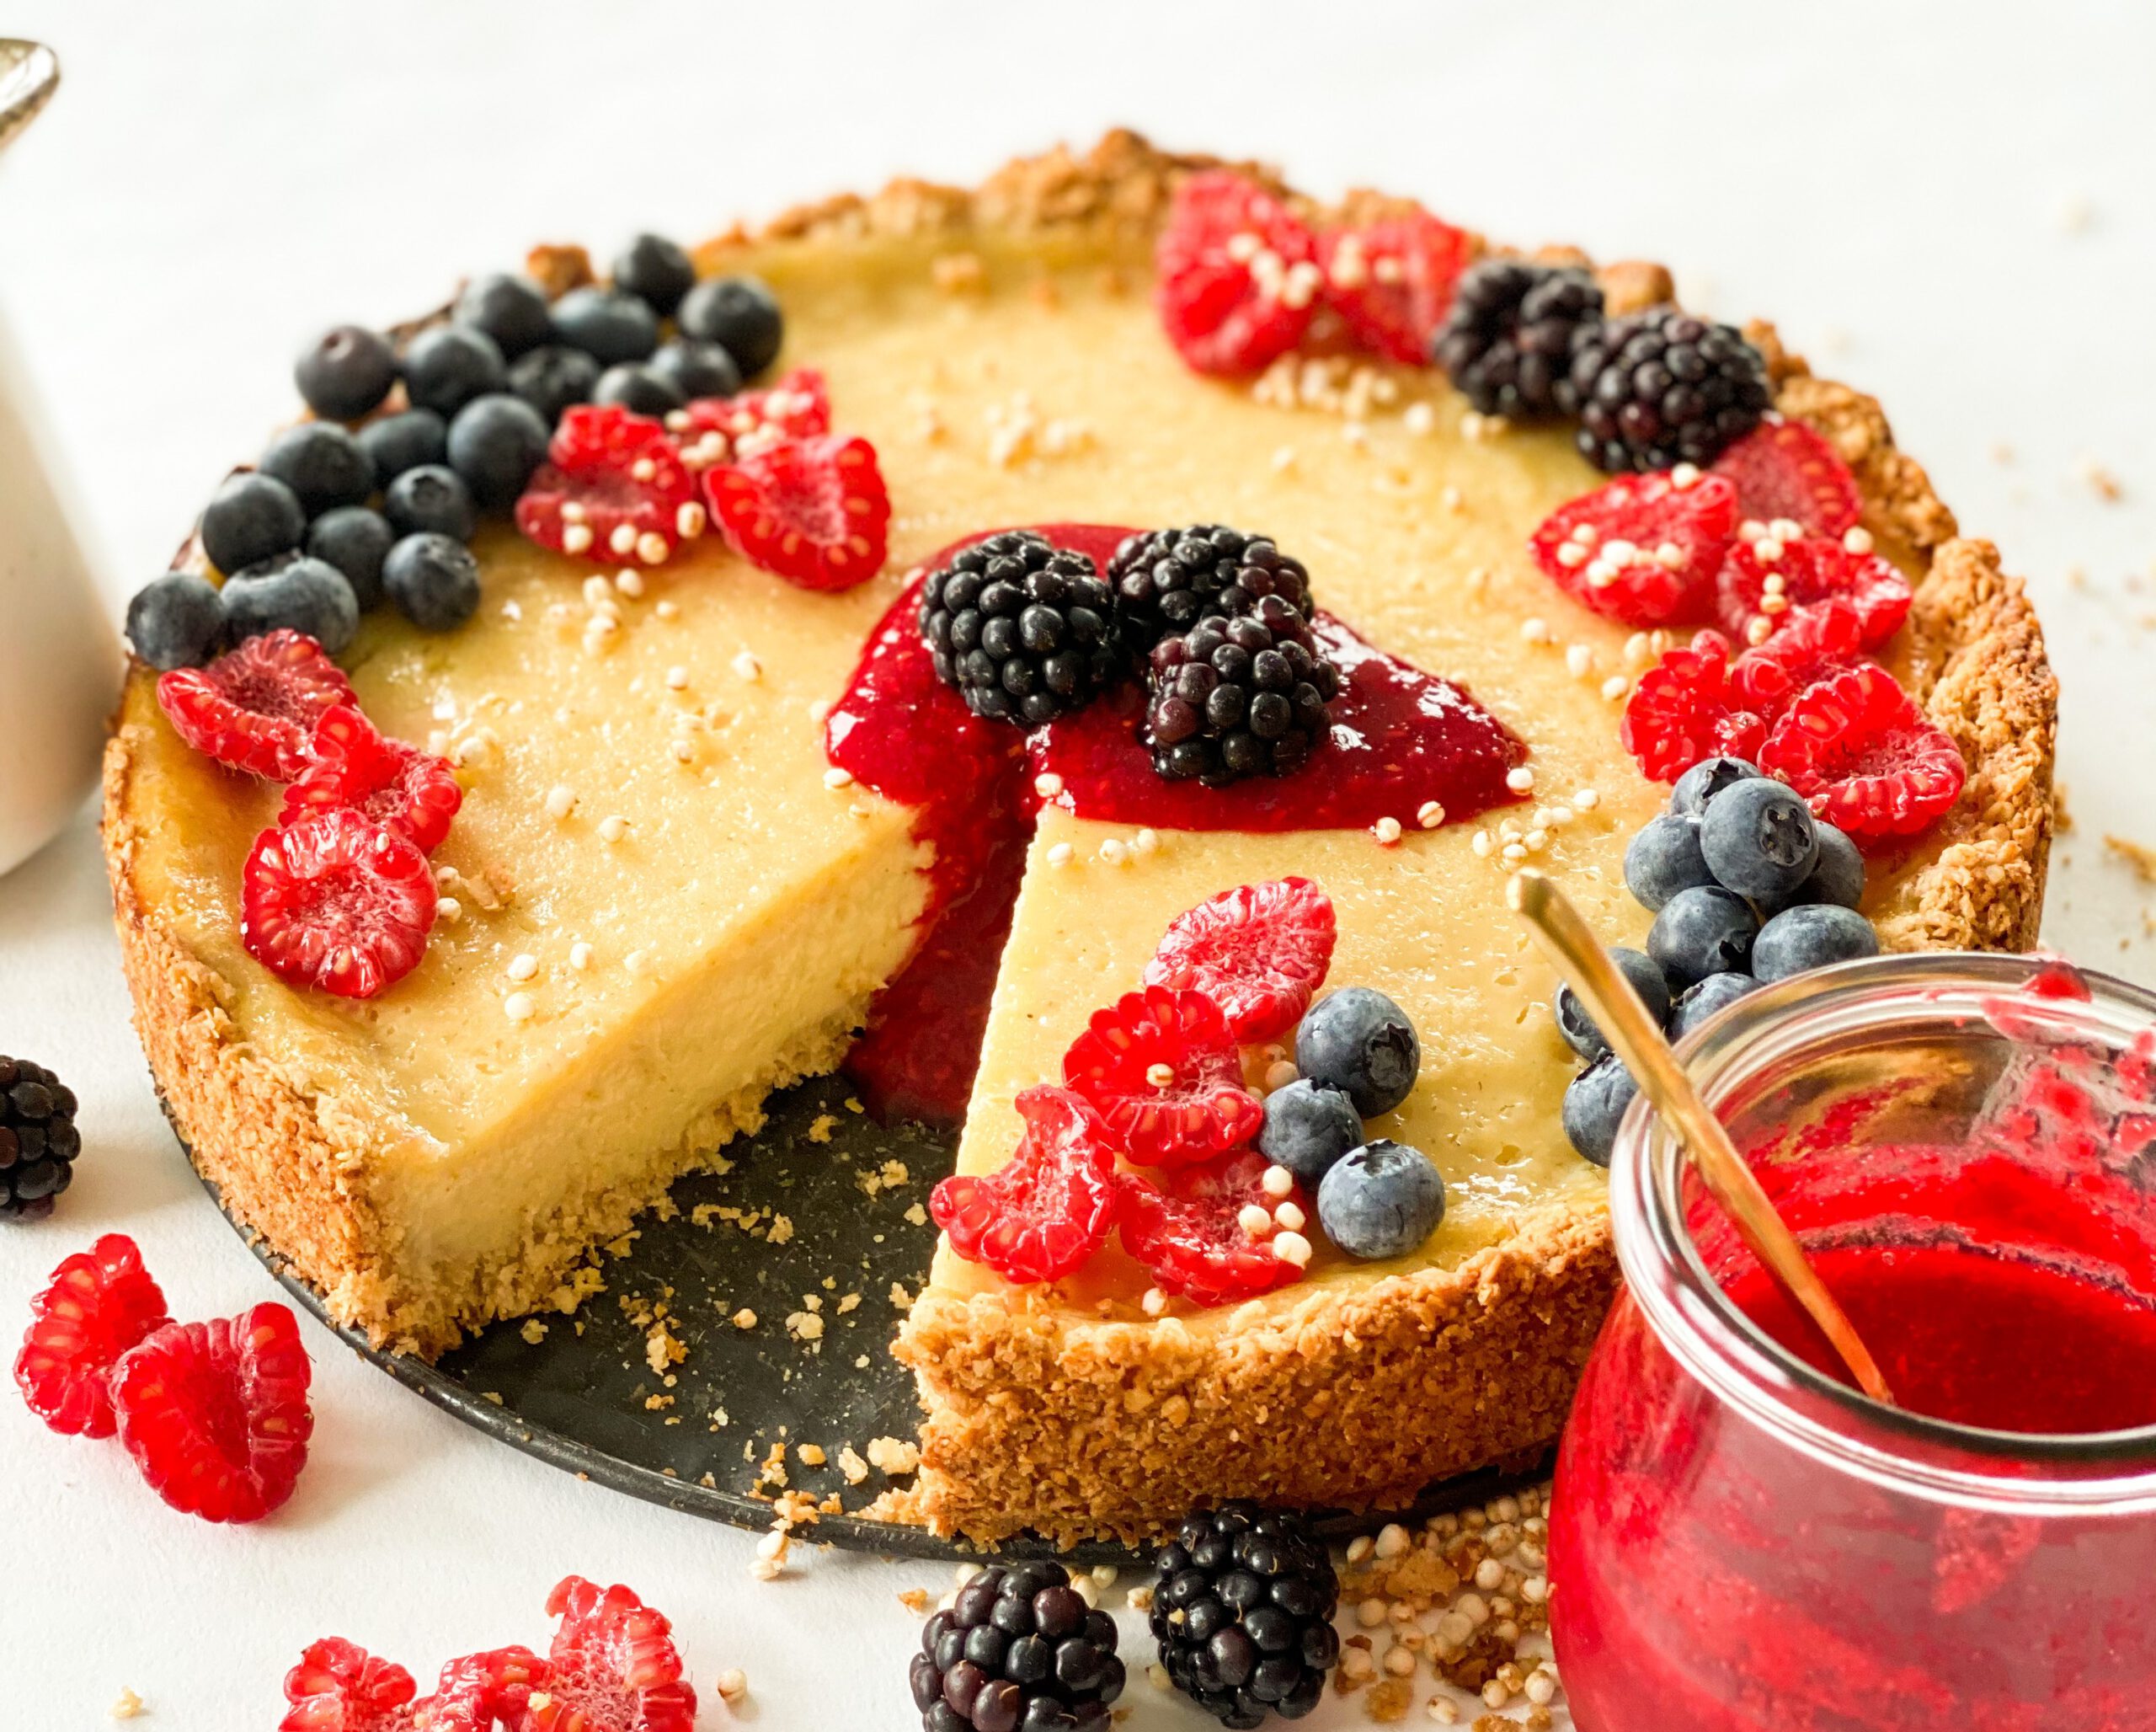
x: 1626, y: 1024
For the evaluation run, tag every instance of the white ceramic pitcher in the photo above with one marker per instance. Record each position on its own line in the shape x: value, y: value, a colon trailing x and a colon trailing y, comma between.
x: 60, y: 660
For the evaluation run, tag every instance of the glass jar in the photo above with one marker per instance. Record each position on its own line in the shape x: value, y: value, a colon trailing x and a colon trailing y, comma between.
x: 1739, y: 1542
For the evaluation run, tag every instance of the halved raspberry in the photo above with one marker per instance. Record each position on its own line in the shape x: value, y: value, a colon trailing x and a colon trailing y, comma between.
x: 1165, y: 1072
x: 101, y: 1302
x: 1812, y: 643
x: 478, y: 1692
x: 338, y: 1686
x: 797, y: 406
x: 612, y: 1667
x: 334, y: 901
x: 815, y: 510
x: 1867, y: 759
x: 216, y: 1414
x: 1188, y: 1231
x: 1642, y: 549
x: 1236, y: 274
x: 1765, y: 567
x: 409, y: 793
x: 254, y: 708
x: 1391, y: 282
x: 613, y: 488
x: 1047, y: 1209
x: 1782, y: 469
x: 1258, y: 952
x: 1684, y: 709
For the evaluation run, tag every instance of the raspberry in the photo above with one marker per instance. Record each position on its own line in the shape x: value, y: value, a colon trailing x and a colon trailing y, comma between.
x: 255, y: 707
x: 216, y: 1414
x: 1188, y: 1233
x: 1783, y: 469
x: 1684, y: 709
x: 1391, y: 282
x: 613, y: 487
x: 1259, y: 951
x: 1049, y: 1207
x: 612, y: 1667
x: 334, y: 901
x: 1801, y: 570
x: 1643, y: 549
x: 101, y: 1302
x: 479, y: 1692
x: 338, y: 1686
x: 798, y: 406
x: 409, y: 793
x: 1813, y: 643
x: 1163, y: 1069
x: 1865, y: 757
x: 815, y: 510
x: 1237, y: 275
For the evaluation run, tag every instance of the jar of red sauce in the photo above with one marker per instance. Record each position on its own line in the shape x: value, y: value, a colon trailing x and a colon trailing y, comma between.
x: 1739, y: 1541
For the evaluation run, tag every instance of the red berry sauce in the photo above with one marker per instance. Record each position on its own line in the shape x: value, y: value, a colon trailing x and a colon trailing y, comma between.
x: 1400, y: 739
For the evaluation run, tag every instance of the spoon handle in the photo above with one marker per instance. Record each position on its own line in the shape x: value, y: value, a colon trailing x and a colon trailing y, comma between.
x: 1624, y: 1023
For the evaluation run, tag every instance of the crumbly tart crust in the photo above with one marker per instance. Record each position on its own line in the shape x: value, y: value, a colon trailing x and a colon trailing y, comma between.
x: 1353, y: 1395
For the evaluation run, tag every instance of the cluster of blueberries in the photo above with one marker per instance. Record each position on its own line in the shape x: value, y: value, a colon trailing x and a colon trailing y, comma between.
x: 331, y: 522
x: 1358, y: 1055
x: 1746, y: 887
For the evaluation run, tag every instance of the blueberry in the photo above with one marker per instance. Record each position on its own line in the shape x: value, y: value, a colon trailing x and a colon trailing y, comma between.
x: 1703, y: 998
x: 355, y: 541
x: 1382, y: 1199
x: 640, y: 390
x: 345, y: 372
x: 607, y: 322
x: 1645, y: 977
x: 1759, y: 839
x: 495, y: 443
x: 508, y: 307
x: 656, y: 271
x: 1839, y: 877
x: 1710, y: 777
x: 309, y: 596
x: 1809, y: 936
x: 553, y: 378
x: 1664, y: 858
x: 433, y: 580
x: 1701, y: 932
x: 1359, y: 1041
x: 251, y: 518
x: 431, y: 499
x: 1307, y: 1128
x: 740, y: 315
x: 1594, y: 1103
x: 176, y: 621
x: 449, y: 365
x: 696, y: 368
x: 399, y: 442
x: 321, y: 464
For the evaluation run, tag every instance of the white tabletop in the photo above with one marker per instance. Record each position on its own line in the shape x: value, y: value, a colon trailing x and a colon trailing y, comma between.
x: 1948, y: 205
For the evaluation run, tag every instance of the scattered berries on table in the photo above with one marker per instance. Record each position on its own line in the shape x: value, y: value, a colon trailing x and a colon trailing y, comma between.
x: 495, y: 444
x: 403, y: 441
x: 1664, y: 858
x: 1703, y: 998
x: 815, y: 511
x: 1867, y: 759
x: 434, y: 580
x: 1684, y: 708
x: 338, y: 1686
x: 1165, y: 1073
x: 1189, y: 1230
x: 1811, y: 935
x: 1703, y: 932
x: 1166, y: 581
x: 1506, y: 343
x: 176, y: 621
x: 216, y: 1414
x: 1594, y: 1103
x: 101, y: 1303
x: 1259, y: 951
x: 303, y: 595
x: 1236, y: 274
x: 741, y: 315
x: 345, y: 372
x: 640, y: 388
x: 1641, y: 972
x: 697, y: 369
x: 1642, y: 549
x: 657, y: 271
x: 449, y: 365
x: 1018, y: 1651
x: 1782, y: 469
x: 324, y: 466
x: 1359, y: 1041
x: 431, y: 500
x: 508, y: 306
x: 1022, y: 628
x: 1765, y: 578
x: 255, y: 707
x: 1759, y: 839
x: 1238, y: 697
x: 1663, y: 388
x: 613, y: 488
x: 608, y: 324
x: 613, y: 1666
x: 1391, y: 281
x: 355, y: 540
x: 334, y: 899
x: 250, y: 518
x: 1243, y: 1600
x: 553, y: 378
x: 409, y: 793
x: 1307, y: 1128
x: 1382, y: 1199
x: 1050, y: 1206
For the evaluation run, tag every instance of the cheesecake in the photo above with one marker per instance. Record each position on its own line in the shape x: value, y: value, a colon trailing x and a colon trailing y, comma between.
x: 683, y: 873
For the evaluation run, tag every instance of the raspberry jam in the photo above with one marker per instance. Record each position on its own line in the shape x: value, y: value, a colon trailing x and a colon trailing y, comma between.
x: 1400, y: 739
x: 1966, y: 1147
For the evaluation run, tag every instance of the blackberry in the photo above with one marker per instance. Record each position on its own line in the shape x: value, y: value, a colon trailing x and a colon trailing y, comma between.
x: 1018, y: 1651
x: 1242, y: 1608
x: 1166, y: 581
x: 1023, y: 628
x: 1508, y: 342
x: 37, y: 1139
x: 1240, y: 697
x: 1662, y: 387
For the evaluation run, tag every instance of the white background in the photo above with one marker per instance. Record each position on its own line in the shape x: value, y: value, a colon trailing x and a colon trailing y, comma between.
x: 1949, y: 205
